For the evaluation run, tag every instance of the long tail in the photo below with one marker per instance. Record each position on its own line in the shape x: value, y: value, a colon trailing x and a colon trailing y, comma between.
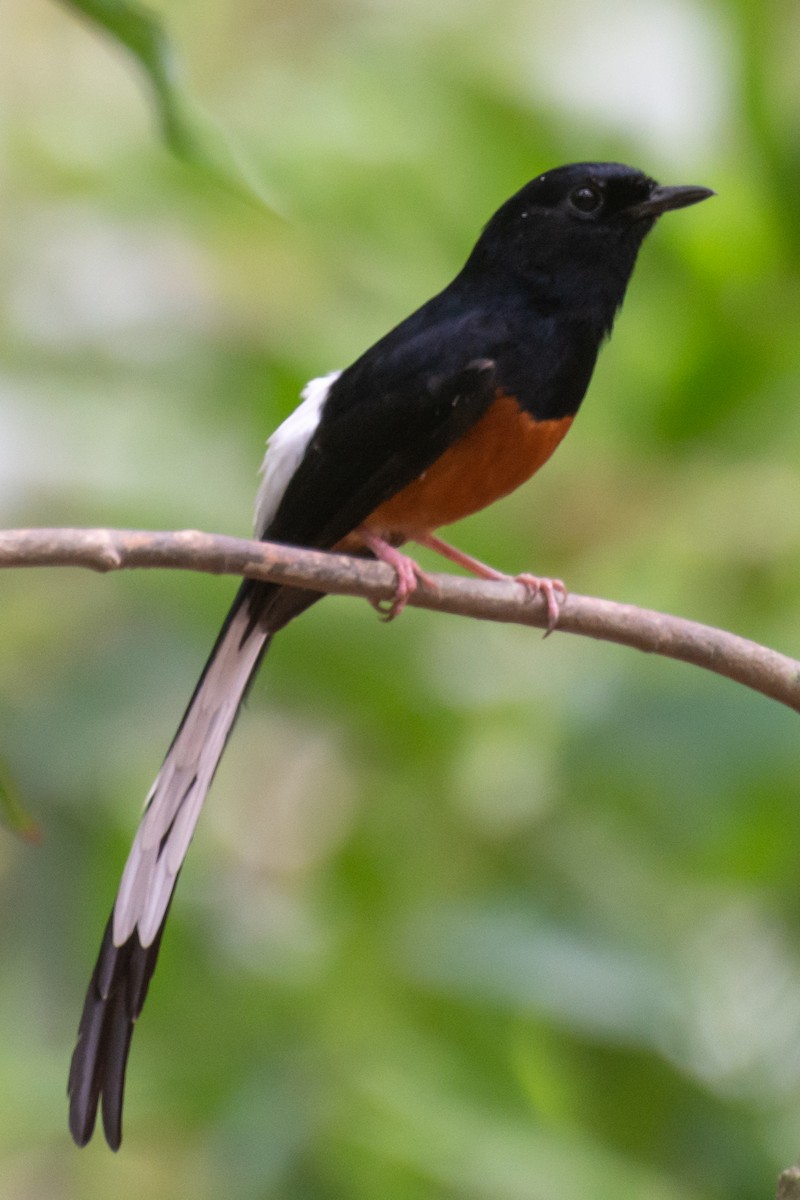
x: 128, y: 954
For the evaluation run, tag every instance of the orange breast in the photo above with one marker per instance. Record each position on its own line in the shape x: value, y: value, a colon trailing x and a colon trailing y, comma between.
x: 499, y: 453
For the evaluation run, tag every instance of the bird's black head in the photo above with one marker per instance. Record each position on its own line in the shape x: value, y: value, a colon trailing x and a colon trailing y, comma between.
x: 571, y: 236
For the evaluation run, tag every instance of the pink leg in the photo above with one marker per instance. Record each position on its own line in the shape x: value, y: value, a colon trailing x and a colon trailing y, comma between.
x: 553, y: 590
x: 408, y: 572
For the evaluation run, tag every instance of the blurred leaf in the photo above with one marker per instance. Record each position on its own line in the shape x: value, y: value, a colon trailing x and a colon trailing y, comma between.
x: 12, y: 813
x: 190, y: 138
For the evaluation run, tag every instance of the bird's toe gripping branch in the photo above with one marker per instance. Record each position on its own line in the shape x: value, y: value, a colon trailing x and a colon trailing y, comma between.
x: 408, y: 572
x: 554, y: 592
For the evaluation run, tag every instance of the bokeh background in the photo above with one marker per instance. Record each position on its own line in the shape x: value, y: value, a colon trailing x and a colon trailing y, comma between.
x: 470, y: 915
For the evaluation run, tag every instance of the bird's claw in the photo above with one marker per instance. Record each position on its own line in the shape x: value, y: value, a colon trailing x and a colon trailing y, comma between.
x: 554, y: 592
x: 408, y: 573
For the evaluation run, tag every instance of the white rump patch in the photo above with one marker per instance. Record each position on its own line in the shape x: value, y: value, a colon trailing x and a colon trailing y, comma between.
x: 286, y: 447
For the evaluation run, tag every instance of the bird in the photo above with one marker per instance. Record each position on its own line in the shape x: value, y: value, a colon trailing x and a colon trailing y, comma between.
x: 455, y: 407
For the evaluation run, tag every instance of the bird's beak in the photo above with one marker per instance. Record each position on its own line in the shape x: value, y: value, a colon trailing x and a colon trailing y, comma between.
x: 663, y: 199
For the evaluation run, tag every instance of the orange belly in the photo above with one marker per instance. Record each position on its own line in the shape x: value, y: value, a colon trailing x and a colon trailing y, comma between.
x: 501, y: 451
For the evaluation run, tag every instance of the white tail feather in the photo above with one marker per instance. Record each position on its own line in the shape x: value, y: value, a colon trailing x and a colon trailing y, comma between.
x: 177, y: 796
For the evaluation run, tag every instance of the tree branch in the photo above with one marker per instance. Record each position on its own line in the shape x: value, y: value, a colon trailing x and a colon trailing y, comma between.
x: 746, y: 662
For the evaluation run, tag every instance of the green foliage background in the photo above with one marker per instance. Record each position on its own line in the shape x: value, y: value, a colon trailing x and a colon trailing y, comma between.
x: 470, y: 915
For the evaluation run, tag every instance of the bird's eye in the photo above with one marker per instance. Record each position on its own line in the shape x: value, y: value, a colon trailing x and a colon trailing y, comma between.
x: 586, y: 199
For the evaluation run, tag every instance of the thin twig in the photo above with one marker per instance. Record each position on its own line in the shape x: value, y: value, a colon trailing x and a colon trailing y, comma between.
x: 746, y: 662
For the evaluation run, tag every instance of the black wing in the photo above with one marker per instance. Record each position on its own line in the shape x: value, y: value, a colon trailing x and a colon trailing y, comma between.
x: 387, y: 418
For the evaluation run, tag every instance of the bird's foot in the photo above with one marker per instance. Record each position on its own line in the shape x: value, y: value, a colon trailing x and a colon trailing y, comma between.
x: 553, y: 590
x: 408, y: 572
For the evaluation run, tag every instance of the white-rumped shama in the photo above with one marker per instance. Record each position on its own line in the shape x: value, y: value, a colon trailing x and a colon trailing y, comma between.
x: 454, y: 408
